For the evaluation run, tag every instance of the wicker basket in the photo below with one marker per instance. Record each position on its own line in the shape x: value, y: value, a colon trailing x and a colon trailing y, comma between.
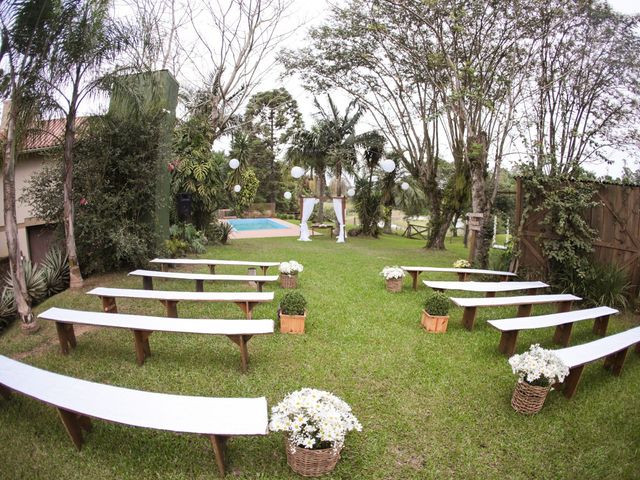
x: 394, y: 285
x: 288, y: 281
x: 528, y: 399
x: 311, y: 463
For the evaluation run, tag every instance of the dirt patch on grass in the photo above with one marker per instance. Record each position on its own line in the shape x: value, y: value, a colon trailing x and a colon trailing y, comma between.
x: 52, y: 342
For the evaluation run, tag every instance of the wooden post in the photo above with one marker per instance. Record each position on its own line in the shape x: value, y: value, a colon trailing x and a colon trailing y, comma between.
x: 171, y: 307
x: 109, y: 305
x: 524, y: 310
x: 74, y: 423
x: 508, y: 342
x: 147, y: 283
x: 5, y: 392
x: 469, y: 317
x: 143, y: 350
x: 212, y: 269
x: 600, y: 325
x: 218, y: 442
x: 414, y: 276
x: 571, y: 381
x: 564, y: 306
x: 66, y: 336
x: 562, y: 334
x: 241, y: 341
x: 199, y: 285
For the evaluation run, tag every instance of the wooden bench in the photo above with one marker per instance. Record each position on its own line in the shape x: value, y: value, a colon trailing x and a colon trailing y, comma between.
x: 200, y: 278
x: 142, y: 326
x: 245, y: 300
x: 489, y: 288
x: 524, y: 303
x: 78, y: 400
x: 562, y: 321
x: 165, y: 263
x: 612, y: 348
x: 463, y: 273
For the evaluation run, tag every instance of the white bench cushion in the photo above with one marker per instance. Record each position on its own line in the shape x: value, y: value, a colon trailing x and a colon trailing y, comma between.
x: 552, y: 320
x: 518, y: 300
x: 458, y: 270
x: 588, y: 352
x: 205, y: 261
x: 176, y: 413
x: 484, y: 286
x: 204, y: 276
x: 164, y: 324
x: 188, y: 296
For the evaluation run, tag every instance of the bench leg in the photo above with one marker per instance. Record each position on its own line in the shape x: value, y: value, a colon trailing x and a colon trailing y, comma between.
x: 66, y: 336
x: 212, y: 269
x: 199, y: 285
x: 74, y: 423
x: 508, y: 342
x: 490, y: 294
x: 571, y: 381
x: 505, y: 278
x: 259, y: 286
x: 247, y: 308
x: 264, y: 270
x: 171, y: 307
x: 164, y: 267
x: 600, y: 325
x: 469, y: 317
x: 564, y: 307
x: 147, y: 283
x: 463, y: 276
x: 5, y: 392
x: 615, y: 361
x: 109, y: 305
x: 524, y: 310
x: 143, y: 350
x: 414, y: 278
x: 241, y: 341
x: 218, y: 442
x: 562, y: 334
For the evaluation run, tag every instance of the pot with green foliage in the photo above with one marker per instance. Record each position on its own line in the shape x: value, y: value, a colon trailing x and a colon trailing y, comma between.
x: 292, y: 313
x: 435, y: 316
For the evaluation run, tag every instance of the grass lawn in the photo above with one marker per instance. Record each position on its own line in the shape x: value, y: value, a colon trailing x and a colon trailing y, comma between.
x: 431, y: 406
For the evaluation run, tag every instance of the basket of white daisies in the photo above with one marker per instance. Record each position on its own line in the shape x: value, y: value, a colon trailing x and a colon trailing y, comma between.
x: 316, y: 423
x: 289, y: 273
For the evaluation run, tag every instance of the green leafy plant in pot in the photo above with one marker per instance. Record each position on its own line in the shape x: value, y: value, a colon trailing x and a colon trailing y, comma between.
x: 435, y: 316
x: 292, y: 312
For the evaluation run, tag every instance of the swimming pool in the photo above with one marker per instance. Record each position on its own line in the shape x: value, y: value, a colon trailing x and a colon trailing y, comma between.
x: 246, y: 224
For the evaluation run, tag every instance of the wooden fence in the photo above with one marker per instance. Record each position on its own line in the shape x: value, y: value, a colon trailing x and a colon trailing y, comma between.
x: 616, y: 219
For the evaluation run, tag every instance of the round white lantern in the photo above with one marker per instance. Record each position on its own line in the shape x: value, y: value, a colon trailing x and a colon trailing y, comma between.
x: 404, y: 186
x: 234, y: 163
x: 237, y: 188
x: 287, y: 195
x: 374, y: 178
x: 388, y: 166
x: 297, y: 172
x: 351, y: 192
x: 381, y: 223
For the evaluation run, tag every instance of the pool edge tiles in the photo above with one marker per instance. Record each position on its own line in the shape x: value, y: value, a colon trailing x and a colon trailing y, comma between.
x: 285, y: 229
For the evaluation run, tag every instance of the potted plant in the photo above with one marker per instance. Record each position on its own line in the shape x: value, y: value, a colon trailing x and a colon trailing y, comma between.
x: 537, y: 369
x: 292, y: 313
x: 289, y: 273
x: 435, y: 316
x: 393, y: 277
x: 315, y: 423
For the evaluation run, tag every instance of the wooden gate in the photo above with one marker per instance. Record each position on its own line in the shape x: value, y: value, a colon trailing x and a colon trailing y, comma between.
x: 616, y: 219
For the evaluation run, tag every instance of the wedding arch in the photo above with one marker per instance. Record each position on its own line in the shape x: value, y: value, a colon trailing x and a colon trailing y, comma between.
x: 307, y: 204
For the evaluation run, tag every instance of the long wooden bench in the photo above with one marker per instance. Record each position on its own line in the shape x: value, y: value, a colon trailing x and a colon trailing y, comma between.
x: 562, y: 321
x: 488, y: 288
x: 200, y: 278
x: 165, y: 263
x: 463, y: 273
x: 245, y: 300
x: 524, y: 303
x: 142, y: 326
x: 612, y: 348
x: 79, y: 400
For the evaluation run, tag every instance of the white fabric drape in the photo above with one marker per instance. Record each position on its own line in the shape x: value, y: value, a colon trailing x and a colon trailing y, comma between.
x: 337, y: 207
x: 307, y: 209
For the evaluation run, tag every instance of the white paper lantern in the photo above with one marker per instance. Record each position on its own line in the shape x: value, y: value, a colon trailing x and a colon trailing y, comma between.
x: 404, y: 186
x: 351, y: 192
x: 297, y: 172
x: 388, y: 166
x: 374, y: 178
x: 237, y: 188
x: 381, y: 223
x: 234, y: 163
x: 287, y: 195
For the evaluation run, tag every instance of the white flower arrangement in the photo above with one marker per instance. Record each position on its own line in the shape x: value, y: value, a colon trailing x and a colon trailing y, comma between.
x: 313, y: 419
x: 461, y: 263
x: 389, y: 273
x: 291, y: 268
x: 539, y: 366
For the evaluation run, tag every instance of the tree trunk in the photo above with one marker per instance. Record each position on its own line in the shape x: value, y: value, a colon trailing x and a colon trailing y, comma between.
x: 75, y: 277
x: 477, y: 150
x: 320, y: 189
x: 29, y: 324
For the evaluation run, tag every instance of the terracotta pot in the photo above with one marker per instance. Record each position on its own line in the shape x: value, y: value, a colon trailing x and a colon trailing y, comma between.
x: 528, y: 399
x: 311, y: 463
x: 288, y: 281
x: 291, y: 323
x: 434, y: 323
x: 394, y: 285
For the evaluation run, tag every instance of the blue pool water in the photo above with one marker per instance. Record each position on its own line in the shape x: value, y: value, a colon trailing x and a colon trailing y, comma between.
x: 244, y: 224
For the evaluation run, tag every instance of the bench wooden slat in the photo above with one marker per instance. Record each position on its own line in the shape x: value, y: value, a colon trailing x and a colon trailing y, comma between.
x: 483, y: 287
x: 511, y: 301
x: 463, y: 273
x: 77, y: 399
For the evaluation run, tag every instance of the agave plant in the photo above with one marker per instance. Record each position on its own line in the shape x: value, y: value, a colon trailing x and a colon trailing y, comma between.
x: 7, y: 304
x: 55, y: 269
x: 35, y: 280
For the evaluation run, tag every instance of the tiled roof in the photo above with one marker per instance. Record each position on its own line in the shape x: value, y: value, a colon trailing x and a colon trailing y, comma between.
x: 47, y: 134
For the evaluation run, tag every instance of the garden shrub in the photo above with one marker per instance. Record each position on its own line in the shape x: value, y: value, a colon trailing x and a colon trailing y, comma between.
x: 185, y: 238
x: 437, y: 304
x: 293, y: 303
x: 600, y: 285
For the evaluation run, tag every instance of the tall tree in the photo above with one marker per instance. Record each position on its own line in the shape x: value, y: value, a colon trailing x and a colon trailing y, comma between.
x: 28, y: 29
x: 88, y: 39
